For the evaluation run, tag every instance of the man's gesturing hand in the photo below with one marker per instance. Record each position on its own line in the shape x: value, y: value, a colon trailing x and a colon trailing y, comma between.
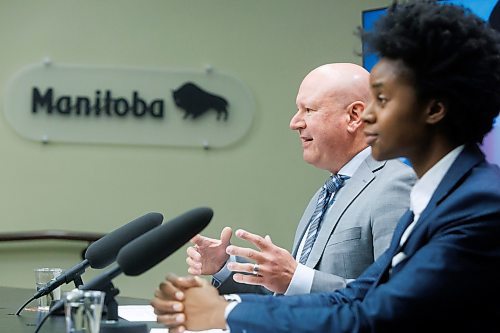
x: 208, y: 255
x: 275, y: 265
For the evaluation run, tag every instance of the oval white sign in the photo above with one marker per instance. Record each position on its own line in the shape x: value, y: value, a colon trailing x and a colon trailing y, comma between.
x: 89, y: 104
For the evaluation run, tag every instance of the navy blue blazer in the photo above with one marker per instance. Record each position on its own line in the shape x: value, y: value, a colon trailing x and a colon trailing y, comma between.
x: 449, y: 280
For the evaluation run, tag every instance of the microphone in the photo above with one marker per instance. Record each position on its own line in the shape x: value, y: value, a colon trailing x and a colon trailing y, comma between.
x: 103, y: 252
x: 146, y: 251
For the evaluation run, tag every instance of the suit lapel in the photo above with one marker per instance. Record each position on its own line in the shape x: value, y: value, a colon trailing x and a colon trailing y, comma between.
x: 304, y: 222
x: 394, y: 248
x: 353, y: 187
x: 466, y: 160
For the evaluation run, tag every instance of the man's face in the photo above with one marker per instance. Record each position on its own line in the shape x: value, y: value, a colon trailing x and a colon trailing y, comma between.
x: 321, y: 122
x: 395, y: 120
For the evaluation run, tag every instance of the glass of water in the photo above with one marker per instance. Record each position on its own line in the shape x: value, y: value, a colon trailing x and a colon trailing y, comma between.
x: 83, y: 309
x: 42, y: 277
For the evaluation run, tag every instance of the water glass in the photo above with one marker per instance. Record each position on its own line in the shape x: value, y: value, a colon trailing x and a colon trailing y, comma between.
x: 83, y: 309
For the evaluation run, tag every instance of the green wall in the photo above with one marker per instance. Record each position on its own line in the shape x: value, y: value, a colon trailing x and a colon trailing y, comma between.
x: 261, y: 183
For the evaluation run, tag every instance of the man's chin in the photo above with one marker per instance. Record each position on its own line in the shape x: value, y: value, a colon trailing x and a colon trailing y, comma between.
x: 308, y: 159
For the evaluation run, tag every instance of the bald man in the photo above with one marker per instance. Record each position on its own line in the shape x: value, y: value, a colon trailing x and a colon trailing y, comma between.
x: 356, y: 221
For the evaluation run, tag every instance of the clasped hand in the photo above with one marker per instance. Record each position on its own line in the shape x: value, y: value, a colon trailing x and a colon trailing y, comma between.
x: 191, y: 303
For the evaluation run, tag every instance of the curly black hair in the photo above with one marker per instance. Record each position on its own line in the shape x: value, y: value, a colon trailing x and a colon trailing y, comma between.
x: 453, y: 56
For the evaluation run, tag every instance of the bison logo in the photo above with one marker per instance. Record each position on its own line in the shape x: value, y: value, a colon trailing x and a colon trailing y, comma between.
x: 195, y: 101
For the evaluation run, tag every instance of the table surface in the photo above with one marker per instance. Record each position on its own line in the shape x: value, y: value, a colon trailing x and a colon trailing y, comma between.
x: 12, y: 298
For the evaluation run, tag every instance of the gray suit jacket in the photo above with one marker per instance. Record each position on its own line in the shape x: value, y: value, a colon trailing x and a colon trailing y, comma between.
x: 356, y: 230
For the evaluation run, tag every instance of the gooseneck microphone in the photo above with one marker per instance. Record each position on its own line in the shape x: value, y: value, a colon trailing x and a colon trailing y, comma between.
x: 102, y: 252
x: 146, y: 251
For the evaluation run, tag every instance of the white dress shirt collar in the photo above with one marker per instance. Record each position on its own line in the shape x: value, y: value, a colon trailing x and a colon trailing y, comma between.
x: 350, y: 168
x: 424, y: 188
x: 421, y: 194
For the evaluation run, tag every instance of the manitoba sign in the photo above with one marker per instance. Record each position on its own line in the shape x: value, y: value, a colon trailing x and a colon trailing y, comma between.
x: 90, y: 104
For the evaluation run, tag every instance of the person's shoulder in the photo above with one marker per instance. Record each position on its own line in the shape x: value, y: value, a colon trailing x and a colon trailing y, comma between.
x: 484, y: 177
x: 489, y: 169
x: 475, y: 194
x: 398, y: 169
x: 390, y: 175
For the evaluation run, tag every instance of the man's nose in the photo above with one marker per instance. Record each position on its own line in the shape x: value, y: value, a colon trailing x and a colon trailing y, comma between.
x: 297, y: 122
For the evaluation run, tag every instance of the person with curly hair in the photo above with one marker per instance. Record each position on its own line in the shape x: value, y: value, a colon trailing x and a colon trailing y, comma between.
x: 436, y: 92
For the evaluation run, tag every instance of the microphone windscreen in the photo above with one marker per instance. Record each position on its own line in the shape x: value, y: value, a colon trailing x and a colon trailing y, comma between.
x: 103, y: 252
x: 148, y: 250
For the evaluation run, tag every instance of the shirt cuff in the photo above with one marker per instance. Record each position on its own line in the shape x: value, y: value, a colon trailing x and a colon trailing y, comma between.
x: 302, y: 281
x: 224, y: 272
x: 233, y: 300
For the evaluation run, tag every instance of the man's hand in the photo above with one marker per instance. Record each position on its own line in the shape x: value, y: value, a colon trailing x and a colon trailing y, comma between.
x: 276, y: 266
x: 188, y: 303
x: 208, y: 255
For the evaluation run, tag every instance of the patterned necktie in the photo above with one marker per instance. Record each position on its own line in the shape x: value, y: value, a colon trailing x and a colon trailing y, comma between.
x: 332, y: 185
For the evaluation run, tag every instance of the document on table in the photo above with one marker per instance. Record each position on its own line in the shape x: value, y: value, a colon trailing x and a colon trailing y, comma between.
x: 146, y: 313
x: 136, y: 312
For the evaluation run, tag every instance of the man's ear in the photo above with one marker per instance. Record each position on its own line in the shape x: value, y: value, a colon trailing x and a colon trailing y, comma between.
x: 436, y: 112
x: 354, y: 112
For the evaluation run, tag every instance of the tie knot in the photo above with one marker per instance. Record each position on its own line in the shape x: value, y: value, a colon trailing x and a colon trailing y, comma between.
x: 335, y: 182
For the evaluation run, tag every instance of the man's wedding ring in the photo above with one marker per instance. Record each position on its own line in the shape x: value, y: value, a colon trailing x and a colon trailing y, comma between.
x: 255, y: 270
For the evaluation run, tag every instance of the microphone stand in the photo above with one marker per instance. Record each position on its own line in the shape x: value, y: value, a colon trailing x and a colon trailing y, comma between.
x: 77, y: 280
x: 113, y: 324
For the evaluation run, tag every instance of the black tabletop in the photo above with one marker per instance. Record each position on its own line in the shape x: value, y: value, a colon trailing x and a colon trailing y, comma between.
x: 12, y: 298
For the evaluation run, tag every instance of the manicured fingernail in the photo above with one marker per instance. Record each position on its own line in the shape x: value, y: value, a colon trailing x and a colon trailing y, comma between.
x: 177, y: 307
x: 179, y: 295
x: 179, y: 318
